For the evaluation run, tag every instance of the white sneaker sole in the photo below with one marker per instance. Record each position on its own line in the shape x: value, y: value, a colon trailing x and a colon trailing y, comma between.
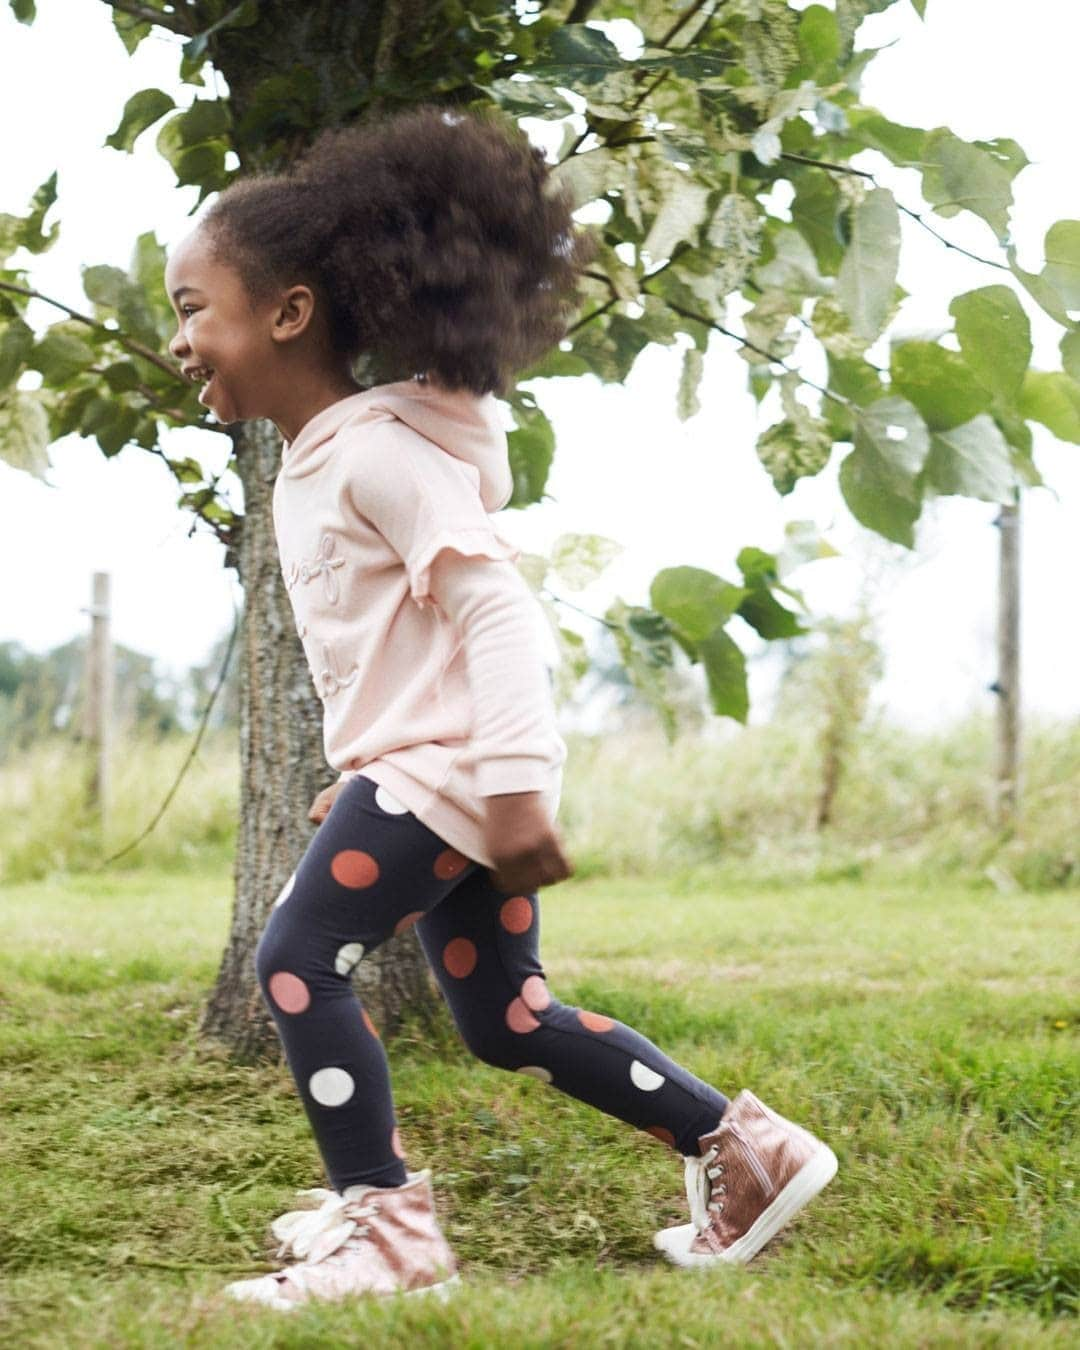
x: 804, y: 1185
x: 266, y: 1297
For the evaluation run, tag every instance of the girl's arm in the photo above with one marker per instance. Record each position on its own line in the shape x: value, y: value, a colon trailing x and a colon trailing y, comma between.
x: 514, y: 730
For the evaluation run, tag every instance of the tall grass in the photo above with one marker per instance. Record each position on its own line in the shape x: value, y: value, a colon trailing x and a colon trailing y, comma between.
x: 734, y: 799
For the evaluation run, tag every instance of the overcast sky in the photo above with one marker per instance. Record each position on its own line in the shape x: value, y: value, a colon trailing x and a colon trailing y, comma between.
x: 671, y: 493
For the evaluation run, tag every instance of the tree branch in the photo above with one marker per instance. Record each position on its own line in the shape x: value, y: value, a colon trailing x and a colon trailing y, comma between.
x: 129, y: 344
x: 862, y: 173
x: 761, y: 351
x: 182, y: 21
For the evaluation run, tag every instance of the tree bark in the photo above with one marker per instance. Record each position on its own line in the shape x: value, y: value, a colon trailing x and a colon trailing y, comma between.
x: 282, y: 767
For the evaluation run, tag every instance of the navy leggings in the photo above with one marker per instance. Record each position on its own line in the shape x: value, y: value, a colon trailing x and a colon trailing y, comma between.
x: 372, y: 870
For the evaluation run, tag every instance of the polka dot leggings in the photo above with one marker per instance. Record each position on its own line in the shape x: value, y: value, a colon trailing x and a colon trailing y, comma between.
x: 372, y: 870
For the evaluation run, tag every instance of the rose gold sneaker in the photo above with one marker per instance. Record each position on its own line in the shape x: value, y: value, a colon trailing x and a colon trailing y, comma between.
x: 364, y: 1240
x: 755, y: 1173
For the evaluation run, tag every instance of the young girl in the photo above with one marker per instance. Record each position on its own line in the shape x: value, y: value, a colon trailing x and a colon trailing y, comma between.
x: 434, y: 243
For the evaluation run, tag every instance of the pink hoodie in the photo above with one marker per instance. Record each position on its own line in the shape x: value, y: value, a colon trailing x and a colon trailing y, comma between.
x: 431, y: 675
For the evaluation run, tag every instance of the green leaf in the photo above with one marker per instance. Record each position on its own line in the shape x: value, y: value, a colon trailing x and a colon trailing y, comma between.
x: 114, y: 293
x: 645, y: 647
x: 24, y: 433
x: 683, y: 204
x: 578, y: 559
x: 793, y: 267
x: 919, y: 7
x: 531, y: 98
x: 1070, y: 354
x: 864, y: 285
x: 760, y: 608
x: 789, y: 451
x: 122, y: 376
x: 531, y: 448
x: 1062, y: 270
x: 16, y: 341
x: 763, y: 611
x: 130, y: 29
x: 696, y: 601
x: 803, y: 543
x: 898, y: 143
x: 24, y: 10
x: 725, y: 674
x: 60, y: 355
x: 939, y: 382
x: 27, y: 231
x: 960, y: 176
x: 819, y: 41
x: 141, y: 110
x: 735, y: 232
x: 878, y: 480
x: 205, y: 120
x: 104, y: 285
x: 995, y: 337
x: 971, y: 460
x: 816, y: 212
x: 1052, y: 398
x: 758, y: 567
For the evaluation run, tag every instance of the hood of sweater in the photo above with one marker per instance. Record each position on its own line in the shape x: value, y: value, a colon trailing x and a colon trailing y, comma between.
x: 464, y: 424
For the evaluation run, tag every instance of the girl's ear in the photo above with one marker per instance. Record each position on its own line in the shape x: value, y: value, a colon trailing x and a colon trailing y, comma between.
x: 294, y: 314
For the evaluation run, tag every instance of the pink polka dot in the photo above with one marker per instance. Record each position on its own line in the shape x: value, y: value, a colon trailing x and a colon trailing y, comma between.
x: 459, y: 957
x: 370, y: 1024
x: 535, y: 994
x: 594, y: 1021
x: 289, y: 992
x: 660, y: 1132
x: 354, y: 868
x: 449, y: 864
x: 395, y: 1143
x: 408, y: 920
x: 519, y: 1018
x: 516, y: 914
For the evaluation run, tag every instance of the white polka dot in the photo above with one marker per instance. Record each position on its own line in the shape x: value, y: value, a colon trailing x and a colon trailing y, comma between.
x: 387, y: 802
x: 286, y: 891
x: 535, y: 1071
x: 348, y: 957
x: 331, y: 1087
x: 648, y: 1080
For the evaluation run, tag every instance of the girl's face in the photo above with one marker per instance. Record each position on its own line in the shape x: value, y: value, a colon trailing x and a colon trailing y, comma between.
x: 224, y: 338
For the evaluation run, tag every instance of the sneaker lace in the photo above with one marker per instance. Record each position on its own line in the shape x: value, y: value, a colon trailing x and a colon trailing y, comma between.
x: 702, y: 1188
x: 325, y: 1233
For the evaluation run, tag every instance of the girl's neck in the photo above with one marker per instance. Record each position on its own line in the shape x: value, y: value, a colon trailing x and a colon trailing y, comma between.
x: 306, y: 397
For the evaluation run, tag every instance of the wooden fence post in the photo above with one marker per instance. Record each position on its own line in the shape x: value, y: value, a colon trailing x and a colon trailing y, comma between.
x: 1007, y: 684
x: 98, y: 730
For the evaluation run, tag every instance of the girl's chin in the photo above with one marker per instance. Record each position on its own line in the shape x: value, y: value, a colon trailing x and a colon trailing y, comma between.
x: 211, y: 397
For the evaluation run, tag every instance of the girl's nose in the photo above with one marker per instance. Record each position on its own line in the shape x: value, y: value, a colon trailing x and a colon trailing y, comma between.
x: 178, y: 346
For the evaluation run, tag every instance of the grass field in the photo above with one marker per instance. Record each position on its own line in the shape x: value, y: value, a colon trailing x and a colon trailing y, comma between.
x: 926, y: 1031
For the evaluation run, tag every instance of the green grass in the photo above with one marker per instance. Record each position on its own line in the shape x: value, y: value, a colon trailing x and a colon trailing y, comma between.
x: 926, y: 1031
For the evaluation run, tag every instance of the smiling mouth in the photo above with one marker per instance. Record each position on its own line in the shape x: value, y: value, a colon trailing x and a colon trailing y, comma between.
x: 201, y: 375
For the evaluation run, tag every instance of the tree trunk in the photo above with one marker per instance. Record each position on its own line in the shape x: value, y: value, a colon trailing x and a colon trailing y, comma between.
x: 282, y: 767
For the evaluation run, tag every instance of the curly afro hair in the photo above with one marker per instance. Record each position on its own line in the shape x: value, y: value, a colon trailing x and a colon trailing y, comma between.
x: 434, y: 238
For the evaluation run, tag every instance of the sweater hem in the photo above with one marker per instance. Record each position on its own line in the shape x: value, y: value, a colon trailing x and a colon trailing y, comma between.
x: 454, y: 826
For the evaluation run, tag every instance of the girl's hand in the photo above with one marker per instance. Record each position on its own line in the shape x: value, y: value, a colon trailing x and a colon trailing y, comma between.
x: 320, y: 807
x: 524, y: 843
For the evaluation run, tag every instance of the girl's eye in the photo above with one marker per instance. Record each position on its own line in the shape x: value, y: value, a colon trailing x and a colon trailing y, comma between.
x: 187, y: 310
